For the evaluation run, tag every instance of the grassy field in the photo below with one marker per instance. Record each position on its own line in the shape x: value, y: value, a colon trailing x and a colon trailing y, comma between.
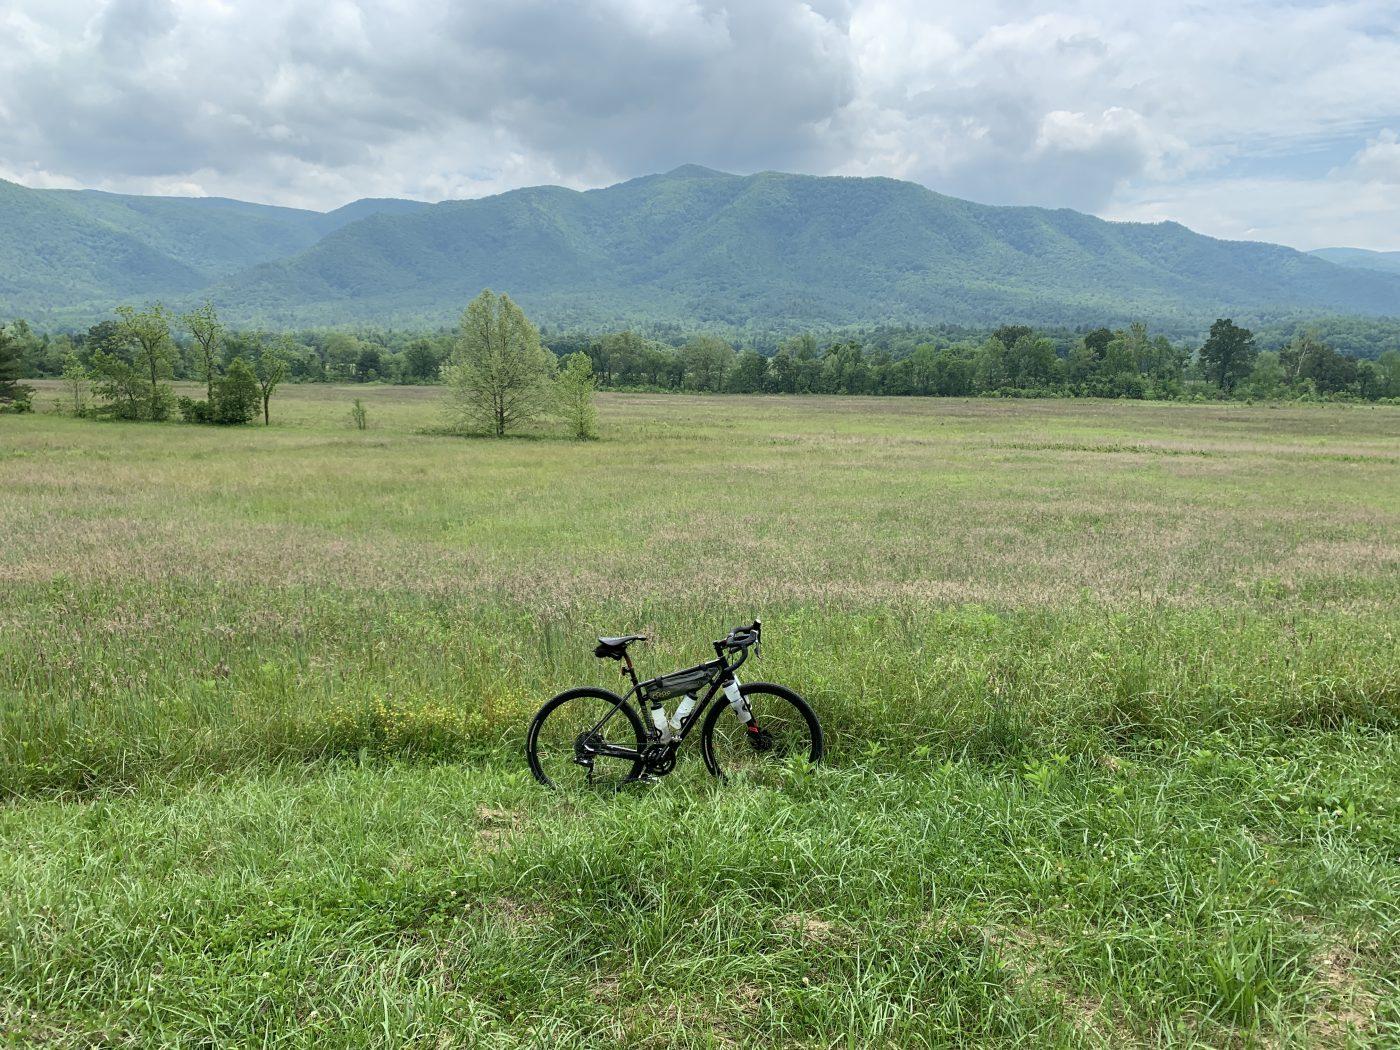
x: 1111, y: 693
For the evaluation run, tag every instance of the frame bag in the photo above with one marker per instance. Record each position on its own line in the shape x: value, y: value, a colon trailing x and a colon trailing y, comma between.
x: 668, y: 686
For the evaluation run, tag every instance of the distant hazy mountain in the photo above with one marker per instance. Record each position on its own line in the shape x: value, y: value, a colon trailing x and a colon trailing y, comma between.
x: 77, y: 252
x: 1361, y: 258
x: 693, y: 246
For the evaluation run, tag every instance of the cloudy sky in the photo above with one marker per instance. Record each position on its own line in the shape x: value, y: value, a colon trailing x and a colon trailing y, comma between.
x: 1262, y: 120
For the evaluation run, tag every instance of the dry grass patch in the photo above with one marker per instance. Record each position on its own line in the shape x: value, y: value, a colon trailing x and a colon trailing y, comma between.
x: 812, y: 929
x: 497, y: 827
x: 1031, y: 956
x: 1347, y: 1013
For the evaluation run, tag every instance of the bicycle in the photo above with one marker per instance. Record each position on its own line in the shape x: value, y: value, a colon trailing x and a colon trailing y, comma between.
x: 593, y: 737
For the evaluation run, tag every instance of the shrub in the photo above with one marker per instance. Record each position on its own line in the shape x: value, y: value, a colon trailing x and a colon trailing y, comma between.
x: 1129, y: 385
x: 237, y: 396
x: 192, y: 411
x: 162, y: 403
x: 359, y: 415
x: 19, y: 402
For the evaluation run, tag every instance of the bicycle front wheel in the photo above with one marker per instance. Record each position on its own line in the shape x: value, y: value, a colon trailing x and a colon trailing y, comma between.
x: 565, y: 739
x: 785, y: 731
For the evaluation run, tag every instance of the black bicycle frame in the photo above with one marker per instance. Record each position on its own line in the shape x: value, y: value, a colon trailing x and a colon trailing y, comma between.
x: 724, y: 671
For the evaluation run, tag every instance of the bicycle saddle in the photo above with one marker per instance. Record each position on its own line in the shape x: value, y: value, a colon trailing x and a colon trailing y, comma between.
x: 613, y: 648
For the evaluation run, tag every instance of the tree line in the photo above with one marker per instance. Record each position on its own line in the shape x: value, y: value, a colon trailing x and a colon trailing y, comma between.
x: 132, y: 356
x: 1011, y: 361
x: 123, y: 368
x: 498, y: 374
x: 324, y: 356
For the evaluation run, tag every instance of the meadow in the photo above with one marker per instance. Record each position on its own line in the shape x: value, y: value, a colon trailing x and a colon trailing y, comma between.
x: 1110, y: 689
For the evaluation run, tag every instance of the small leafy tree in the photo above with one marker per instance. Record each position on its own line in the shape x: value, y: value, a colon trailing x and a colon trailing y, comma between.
x: 104, y: 337
x: 271, y: 369
x: 148, y: 332
x: 1388, y: 373
x: 119, y: 383
x: 192, y: 411
x: 1032, y: 362
x: 204, y: 325
x: 237, y: 395
x: 993, y: 370
x: 749, y: 374
x: 573, y: 390
x: 340, y: 353
x: 1228, y: 354
x: 359, y: 415
x: 1298, y: 349
x: 499, y: 376
x: 29, y: 348
x: 1096, y: 342
x: 1266, y: 378
x: 76, y: 382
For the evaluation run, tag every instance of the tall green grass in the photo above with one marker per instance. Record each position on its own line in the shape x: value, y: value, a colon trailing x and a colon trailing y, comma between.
x: 112, y: 689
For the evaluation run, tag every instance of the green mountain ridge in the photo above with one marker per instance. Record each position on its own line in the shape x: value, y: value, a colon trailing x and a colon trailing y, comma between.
x: 1360, y: 258
x: 692, y: 247
x: 79, y: 252
x: 700, y: 247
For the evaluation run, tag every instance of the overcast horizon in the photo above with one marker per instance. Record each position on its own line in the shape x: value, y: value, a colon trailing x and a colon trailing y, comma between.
x: 1267, y: 121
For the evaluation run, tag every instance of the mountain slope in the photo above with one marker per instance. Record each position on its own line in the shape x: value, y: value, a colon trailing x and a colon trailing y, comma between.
x: 1361, y: 258
x: 693, y: 247
x: 85, y: 250
x: 363, y: 209
x: 701, y: 247
x: 53, y: 252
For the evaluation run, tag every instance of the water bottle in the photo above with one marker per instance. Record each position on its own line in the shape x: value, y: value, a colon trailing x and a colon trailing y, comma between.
x: 737, y: 702
x: 658, y: 719
x: 683, y: 710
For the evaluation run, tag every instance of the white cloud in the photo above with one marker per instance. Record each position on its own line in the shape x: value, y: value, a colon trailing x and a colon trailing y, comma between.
x: 1210, y: 114
x: 1379, y: 161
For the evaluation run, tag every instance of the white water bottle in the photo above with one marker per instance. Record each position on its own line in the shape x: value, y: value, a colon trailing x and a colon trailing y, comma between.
x: 658, y: 719
x: 683, y: 710
x: 737, y: 702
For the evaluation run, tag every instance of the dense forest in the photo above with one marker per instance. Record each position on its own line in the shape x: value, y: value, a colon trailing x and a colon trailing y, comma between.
x: 1008, y: 361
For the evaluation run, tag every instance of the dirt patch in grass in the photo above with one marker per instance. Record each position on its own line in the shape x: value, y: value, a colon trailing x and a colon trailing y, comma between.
x: 1030, y: 955
x: 812, y: 929
x: 1348, y: 1009
x: 496, y: 827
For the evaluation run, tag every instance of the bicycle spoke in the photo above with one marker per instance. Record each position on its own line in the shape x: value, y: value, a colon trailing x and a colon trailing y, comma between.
x: 781, y: 734
x: 567, y: 741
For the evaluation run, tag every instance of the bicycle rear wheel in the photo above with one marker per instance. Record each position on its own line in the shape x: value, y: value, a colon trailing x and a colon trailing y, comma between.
x: 561, y: 745
x: 786, y: 730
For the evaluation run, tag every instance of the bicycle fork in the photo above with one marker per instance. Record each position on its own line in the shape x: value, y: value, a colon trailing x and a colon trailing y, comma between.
x: 760, y: 740
x: 737, y: 703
